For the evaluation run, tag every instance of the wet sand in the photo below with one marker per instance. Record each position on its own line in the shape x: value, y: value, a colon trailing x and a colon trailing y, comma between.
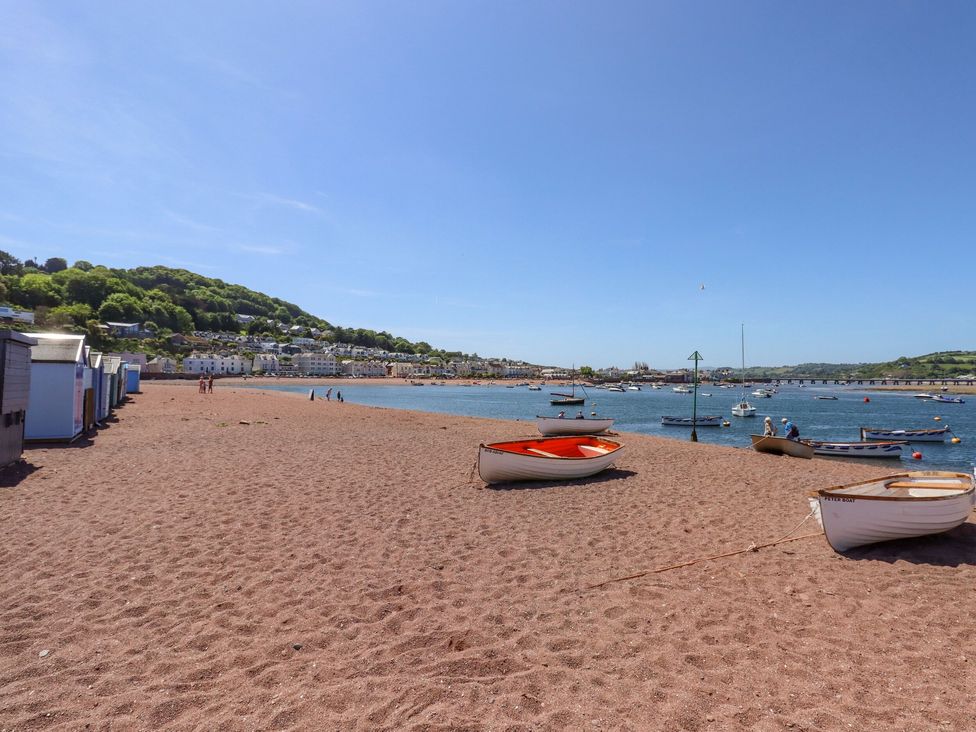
x: 250, y: 561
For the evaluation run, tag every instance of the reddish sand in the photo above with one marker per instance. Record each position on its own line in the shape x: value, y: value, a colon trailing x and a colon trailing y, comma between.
x: 330, y: 566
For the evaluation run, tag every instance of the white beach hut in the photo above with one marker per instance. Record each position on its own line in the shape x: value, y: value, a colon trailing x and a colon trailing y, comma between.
x: 57, y: 387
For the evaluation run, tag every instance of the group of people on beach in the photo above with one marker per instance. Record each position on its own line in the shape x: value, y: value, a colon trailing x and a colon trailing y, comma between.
x: 790, y: 430
x: 328, y: 395
x: 206, y: 384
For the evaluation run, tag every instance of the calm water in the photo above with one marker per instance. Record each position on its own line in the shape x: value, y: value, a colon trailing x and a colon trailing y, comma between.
x: 640, y: 411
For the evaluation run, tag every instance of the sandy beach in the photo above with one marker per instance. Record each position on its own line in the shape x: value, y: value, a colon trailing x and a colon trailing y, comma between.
x: 250, y: 560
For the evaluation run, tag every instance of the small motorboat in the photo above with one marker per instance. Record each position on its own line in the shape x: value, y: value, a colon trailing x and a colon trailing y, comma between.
x: 681, y: 390
x: 890, y: 450
x: 703, y: 421
x: 633, y: 388
x: 828, y: 398
x: 933, y: 435
x: 923, y: 396
x: 743, y: 409
x: 572, y: 426
x: 546, y: 458
x: 781, y: 446
x: 616, y: 388
x: 899, y: 506
x: 946, y: 399
x: 535, y: 388
x: 763, y: 394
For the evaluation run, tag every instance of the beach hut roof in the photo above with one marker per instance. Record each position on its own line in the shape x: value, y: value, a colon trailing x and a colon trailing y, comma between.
x: 58, y: 348
x: 111, y: 364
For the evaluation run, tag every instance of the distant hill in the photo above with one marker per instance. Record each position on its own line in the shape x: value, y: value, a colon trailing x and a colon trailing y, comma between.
x: 944, y: 364
x: 169, y: 300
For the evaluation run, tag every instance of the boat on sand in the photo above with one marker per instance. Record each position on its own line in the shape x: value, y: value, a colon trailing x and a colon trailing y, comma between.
x: 546, y: 458
x: 781, y: 446
x: 899, y: 506
x: 572, y: 426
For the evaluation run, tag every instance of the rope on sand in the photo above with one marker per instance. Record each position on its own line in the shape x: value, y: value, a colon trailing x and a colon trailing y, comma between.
x: 751, y: 548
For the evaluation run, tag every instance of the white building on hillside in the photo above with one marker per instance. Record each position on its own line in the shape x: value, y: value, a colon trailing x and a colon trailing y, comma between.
x: 316, y: 364
x: 364, y: 368
x: 266, y: 362
x: 211, y: 364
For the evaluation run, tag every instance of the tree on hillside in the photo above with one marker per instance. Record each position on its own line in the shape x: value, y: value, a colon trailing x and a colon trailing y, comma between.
x: 33, y: 290
x: 9, y: 264
x: 120, y: 307
x: 55, y: 264
x: 83, y: 265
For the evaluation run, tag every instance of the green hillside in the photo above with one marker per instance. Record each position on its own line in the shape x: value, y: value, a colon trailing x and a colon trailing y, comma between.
x: 167, y: 300
x: 944, y: 364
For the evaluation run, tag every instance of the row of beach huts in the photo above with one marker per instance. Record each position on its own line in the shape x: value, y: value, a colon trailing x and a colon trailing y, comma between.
x: 55, y: 388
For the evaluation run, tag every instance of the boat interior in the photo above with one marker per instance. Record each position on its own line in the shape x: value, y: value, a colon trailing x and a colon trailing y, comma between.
x: 572, y: 447
x: 932, y: 485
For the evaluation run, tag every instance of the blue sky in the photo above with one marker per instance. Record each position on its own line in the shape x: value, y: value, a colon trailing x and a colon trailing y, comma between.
x: 550, y: 181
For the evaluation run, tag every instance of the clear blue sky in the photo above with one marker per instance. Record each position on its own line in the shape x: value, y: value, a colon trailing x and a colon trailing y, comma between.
x: 551, y: 181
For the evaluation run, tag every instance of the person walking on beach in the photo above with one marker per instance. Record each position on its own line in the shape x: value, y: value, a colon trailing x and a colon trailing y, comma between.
x: 338, y: 396
x: 210, y: 384
x: 202, y: 385
x: 328, y: 395
x: 769, y: 430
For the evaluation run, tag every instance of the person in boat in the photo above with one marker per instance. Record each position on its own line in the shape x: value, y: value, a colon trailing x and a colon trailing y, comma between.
x: 790, y: 430
x: 580, y: 415
x: 560, y: 415
x: 769, y: 430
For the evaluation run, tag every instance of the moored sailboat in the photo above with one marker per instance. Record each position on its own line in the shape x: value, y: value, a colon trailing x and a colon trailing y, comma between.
x: 743, y: 408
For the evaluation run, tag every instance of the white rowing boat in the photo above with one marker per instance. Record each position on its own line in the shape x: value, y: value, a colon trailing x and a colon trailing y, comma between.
x: 576, y: 426
x: 781, y: 446
x: 932, y: 435
x: 891, y: 450
x: 899, y: 506
x: 546, y: 458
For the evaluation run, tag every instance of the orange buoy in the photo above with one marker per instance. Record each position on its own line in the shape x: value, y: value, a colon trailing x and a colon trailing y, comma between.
x: 866, y: 400
x: 917, y: 455
x: 937, y: 419
x: 955, y: 440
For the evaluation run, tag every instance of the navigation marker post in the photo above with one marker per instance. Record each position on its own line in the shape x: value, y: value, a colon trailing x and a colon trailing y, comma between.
x: 696, y: 357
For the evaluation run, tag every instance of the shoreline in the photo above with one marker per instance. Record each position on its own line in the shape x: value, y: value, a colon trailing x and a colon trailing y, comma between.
x: 250, y: 560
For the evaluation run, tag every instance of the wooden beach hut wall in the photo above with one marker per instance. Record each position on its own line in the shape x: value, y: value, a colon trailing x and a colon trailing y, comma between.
x: 57, y: 388
x: 88, y: 398
x: 15, y: 372
x: 132, y: 378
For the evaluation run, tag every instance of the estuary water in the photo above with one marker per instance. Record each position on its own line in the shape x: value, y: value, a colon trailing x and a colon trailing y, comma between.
x: 641, y: 411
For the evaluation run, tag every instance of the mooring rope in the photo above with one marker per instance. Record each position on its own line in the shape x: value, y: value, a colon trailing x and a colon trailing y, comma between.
x: 751, y: 548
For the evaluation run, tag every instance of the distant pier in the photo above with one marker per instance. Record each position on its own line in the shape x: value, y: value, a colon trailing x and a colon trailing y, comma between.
x: 878, y: 382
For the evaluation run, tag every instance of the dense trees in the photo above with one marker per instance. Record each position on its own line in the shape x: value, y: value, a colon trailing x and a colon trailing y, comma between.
x: 169, y: 299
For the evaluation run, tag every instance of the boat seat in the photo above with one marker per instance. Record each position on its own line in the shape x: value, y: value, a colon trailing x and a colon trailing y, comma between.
x: 540, y: 452
x: 593, y: 449
x: 943, y: 485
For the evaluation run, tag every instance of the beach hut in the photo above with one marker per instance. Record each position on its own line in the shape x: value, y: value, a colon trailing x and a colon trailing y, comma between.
x: 57, y: 388
x: 113, y: 367
x: 95, y: 361
x: 15, y: 372
x: 132, y: 378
